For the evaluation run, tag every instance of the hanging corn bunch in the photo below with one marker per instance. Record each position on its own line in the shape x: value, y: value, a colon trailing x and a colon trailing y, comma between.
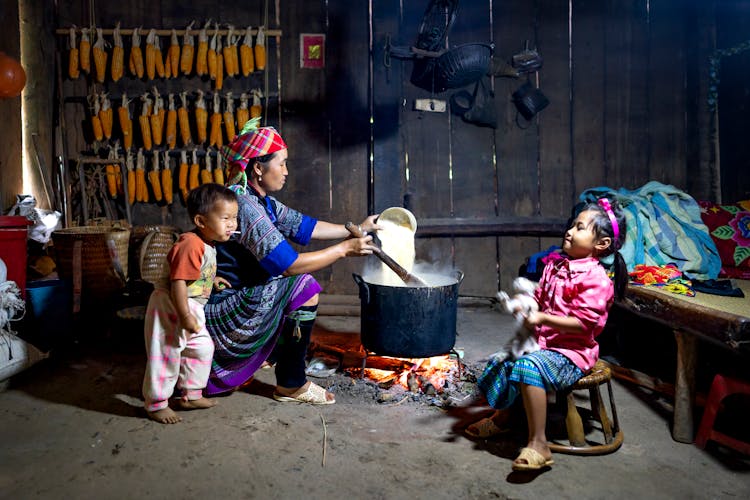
x: 230, y: 53
x: 118, y: 55
x: 243, y: 112
x: 229, y: 117
x: 96, y: 122
x: 212, y: 55
x: 171, y: 138
x: 166, y: 179
x: 201, y: 118
x: 246, y: 53
x: 111, y: 170
x: 182, y: 115
x: 188, y: 49
x: 105, y: 116
x: 143, y: 121
x: 141, y: 189
x: 154, y: 177
x: 207, y: 176
x: 84, y: 51
x: 100, y: 56
x: 157, y: 119
x: 173, y: 55
x: 135, y: 61
x: 73, y: 69
x: 215, y: 139
x: 193, y: 179
x: 126, y: 123
x: 219, y: 82
x: 260, y: 49
x: 132, y: 184
x: 219, y: 170
x: 201, y: 56
x: 182, y: 175
x: 256, y: 109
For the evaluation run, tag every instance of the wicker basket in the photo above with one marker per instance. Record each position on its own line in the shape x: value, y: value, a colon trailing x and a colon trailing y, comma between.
x: 99, y: 267
x: 152, y: 255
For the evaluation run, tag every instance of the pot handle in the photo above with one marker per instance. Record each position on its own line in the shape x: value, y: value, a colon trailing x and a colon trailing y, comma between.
x: 364, y: 290
x: 459, y: 275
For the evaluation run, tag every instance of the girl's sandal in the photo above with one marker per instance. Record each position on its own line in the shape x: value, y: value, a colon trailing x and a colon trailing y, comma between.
x: 314, y: 395
x: 534, y: 460
x: 485, y: 428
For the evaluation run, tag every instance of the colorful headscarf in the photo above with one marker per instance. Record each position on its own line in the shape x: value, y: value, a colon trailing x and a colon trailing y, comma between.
x: 252, y: 142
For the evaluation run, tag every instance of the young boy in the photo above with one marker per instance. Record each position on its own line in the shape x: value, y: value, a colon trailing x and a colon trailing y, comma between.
x: 178, y: 347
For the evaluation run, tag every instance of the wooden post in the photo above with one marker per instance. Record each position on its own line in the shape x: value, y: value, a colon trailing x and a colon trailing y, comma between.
x: 682, y: 427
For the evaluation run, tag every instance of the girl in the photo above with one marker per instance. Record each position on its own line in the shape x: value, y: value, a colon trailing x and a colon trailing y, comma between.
x: 574, y: 297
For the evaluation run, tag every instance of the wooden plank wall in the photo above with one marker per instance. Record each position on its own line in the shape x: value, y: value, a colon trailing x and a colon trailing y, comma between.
x: 626, y: 81
x: 11, y: 173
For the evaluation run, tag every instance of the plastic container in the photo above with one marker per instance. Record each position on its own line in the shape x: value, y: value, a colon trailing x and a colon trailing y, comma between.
x: 49, y: 312
x: 13, y: 234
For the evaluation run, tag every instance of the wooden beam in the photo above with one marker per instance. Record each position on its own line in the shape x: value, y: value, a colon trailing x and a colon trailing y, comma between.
x: 491, y: 226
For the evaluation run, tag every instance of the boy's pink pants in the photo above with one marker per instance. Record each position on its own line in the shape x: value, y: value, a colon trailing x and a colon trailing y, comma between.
x: 174, y: 356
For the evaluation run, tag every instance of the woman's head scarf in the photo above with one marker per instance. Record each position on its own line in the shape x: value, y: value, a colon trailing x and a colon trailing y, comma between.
x: 252, y: 142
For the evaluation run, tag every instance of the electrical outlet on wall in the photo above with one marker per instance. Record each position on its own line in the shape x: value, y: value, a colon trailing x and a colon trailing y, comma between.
x: 434, y: 105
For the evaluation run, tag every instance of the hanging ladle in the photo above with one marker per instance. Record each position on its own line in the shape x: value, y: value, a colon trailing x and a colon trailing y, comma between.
x: 402, y: 273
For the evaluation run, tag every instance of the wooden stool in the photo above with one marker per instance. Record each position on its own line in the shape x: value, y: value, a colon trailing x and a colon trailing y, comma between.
x: 721, y: 387
x: 613, y: 437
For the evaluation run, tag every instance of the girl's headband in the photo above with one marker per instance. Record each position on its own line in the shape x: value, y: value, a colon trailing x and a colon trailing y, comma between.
x: 604, y: 203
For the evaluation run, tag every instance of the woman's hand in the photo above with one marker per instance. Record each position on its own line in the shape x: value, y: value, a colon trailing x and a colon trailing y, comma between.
x: 355, y: 247
x: 368, y: 225
x: 220, y: 284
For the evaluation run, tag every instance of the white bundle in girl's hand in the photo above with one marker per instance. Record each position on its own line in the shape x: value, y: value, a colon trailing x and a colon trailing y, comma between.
x: 520, y: 305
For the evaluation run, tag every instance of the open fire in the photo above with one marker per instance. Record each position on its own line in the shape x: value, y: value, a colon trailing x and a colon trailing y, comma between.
x: 426, y: 375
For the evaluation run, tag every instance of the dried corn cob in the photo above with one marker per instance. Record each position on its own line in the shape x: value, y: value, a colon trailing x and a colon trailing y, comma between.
x: 154, y: 178
x: 159, y: 57
x: 166, y: 179
x: 256, y: 109
x: 201, y: 56
x: 111, y: 171
x: 105, y: 116
x: 84, y: 51
x: 126, y: 123
x: 246, y: 53
x: 118, y: 173
x: 230, y: 53
x: 171, y: 138
x: 182, y: 176
x: 243, y: 112
x: 173, y: 53
x: 229, y: 118
x: 96, y: 122
x: 136, y: 55
x: 215, y: 139
x: 193, y: 179
x: 188, y: 49
x: 182, y: 115
x: 151, y: 54
x: 207, y: 176
x: 212, y: 54
x: 132, y: 185
x: 219, y: 170
x: 118, y: 55
x: 201, y: 118
x: 73, y: 69
x: 141, y: 190
x: 219, y: 82
x: 260, y: 49
x: 100, y: 56
x: 143, y: 121
x: 157, y: 119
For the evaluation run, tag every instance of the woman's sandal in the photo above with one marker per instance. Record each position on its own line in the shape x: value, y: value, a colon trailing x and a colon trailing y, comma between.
x: 534, y: 460
x: 314, y: 395
x: 485, y: 428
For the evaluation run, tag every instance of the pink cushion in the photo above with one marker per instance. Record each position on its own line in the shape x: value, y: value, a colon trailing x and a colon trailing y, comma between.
x: 729, y: 226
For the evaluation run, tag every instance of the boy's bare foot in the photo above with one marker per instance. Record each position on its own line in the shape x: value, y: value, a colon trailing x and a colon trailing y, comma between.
x: 164, y: 416
x: 196, y: 404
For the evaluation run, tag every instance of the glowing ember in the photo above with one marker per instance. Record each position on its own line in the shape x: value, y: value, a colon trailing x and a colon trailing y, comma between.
x: 433, y: 370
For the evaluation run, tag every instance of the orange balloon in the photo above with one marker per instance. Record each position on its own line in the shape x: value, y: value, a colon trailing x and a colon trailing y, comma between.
x: 12, y: 76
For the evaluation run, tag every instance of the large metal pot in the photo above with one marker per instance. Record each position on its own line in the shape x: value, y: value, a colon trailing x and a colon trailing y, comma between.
x: 407, y: 321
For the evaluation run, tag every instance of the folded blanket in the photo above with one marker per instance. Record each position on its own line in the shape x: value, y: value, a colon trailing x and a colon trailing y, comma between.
x: 664, y: 226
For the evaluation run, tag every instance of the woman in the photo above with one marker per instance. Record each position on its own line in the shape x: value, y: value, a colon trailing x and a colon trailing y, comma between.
x: 272, y: 301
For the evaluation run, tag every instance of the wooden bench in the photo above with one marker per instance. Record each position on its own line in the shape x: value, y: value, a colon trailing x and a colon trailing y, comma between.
x: 705, y: 317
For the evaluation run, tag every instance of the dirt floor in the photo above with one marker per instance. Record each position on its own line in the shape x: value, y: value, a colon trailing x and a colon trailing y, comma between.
x: 73, y: 427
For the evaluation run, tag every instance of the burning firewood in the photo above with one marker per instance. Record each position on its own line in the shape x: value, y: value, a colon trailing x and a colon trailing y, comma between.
x: 426, y: 386
x: 411, y: 382
x: 390, y: 364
